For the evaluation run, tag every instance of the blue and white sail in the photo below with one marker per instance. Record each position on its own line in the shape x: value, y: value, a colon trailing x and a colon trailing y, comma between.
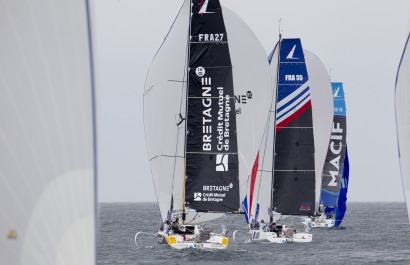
x: 402, y: 99
x: 293, y: 188
x: 333, y: 168
x: 344, y: 185
x: 48, y: 210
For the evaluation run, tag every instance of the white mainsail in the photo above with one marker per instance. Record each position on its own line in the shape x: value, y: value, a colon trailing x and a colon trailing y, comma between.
x: 165, y: 107
x: 402, y: 98
x: 322, y: 112
x: 47, y: 176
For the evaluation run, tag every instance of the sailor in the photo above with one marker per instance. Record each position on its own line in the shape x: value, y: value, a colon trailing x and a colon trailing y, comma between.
x: 175, y: 225
x: 255, y: 224
x: 273, y: 228
x: 321, y: 207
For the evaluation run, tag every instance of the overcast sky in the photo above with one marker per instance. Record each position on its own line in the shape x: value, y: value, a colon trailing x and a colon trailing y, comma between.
x: 360, y: 41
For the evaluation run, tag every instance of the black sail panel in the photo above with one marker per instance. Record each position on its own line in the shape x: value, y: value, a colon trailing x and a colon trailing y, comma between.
x: 211, y: 182
x: 294, y: 162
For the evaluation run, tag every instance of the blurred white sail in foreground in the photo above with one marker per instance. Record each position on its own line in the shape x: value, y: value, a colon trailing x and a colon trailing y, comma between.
x: 403, y: 119
x: 47, y: 176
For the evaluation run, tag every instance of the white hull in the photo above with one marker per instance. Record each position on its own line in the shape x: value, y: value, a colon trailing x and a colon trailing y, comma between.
x: 279, y: 237
x: 184, y: 241
x: 319, y: 222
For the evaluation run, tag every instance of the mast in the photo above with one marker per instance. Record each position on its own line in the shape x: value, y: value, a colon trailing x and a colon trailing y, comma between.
x: 186, y: 111
x: 274, y: 118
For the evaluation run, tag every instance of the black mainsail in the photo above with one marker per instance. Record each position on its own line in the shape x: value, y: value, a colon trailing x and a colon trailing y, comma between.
x: 294, y: 161
x: 211, y: 182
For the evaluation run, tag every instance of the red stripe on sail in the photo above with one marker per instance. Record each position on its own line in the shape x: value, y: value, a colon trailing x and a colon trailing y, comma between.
x: 253, y: 179
x: 293, y: 117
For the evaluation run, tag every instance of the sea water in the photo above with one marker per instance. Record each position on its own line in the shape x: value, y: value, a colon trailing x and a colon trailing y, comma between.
x: 371, y: 233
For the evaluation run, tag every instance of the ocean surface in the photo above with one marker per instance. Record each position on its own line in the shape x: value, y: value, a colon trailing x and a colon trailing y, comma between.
x: 371, y: 233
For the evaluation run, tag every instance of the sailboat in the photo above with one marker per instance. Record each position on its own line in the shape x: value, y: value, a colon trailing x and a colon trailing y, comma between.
x: 286, y: 181
x: 334, y: 177
x: 48, y: 208
x: 206, y: 101
x: 402, y: 99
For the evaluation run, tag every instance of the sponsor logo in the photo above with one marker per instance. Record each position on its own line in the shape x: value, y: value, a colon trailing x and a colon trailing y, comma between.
x: 213, y: 193
x: 224, y: 114
x: 207, y: 109
x: 217, y: 188
x: 197, y: 196
x: 200, y: 71
x: 336, y: 94
x: 290, y: 55
x: 211, y: 37
x: 305, y: 206
x: 242, y: 99
x: 204, y: 5
x: 336, y: 148
x: 222, y: 162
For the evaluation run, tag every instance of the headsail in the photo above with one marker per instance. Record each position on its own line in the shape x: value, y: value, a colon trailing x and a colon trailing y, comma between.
x: 322, y: 112
x: 225, y: 92
x: 341, y: 202
x: 402, y: 98
x: 334, y: 165
x: 47, y: 174
x: 294, y: 161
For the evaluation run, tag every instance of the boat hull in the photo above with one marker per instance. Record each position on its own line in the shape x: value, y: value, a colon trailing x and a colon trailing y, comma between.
x: 274, y: 237
x: 178, y: 241
x: 319, y: 222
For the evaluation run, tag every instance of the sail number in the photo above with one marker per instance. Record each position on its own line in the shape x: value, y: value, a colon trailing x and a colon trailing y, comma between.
x: 293, y: 77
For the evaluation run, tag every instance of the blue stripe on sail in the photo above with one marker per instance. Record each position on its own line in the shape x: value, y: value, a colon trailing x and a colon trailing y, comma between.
x: 294, y: 99
x: 296, y: 106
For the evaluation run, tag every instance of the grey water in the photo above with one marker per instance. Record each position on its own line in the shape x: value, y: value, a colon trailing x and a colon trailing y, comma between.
x: 371, y: 233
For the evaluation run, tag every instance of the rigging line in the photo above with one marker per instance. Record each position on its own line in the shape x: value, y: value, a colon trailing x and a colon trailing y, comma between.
x: 172, y: 156
x: 272, y: 109
x: 267, y: 126
x: 177, y: 81
x: 148, y: 90
x: 265, y: 170
x: 184, y: 84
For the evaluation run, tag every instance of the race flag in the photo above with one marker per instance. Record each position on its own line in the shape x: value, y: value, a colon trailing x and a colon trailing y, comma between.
x: 245, y: 207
